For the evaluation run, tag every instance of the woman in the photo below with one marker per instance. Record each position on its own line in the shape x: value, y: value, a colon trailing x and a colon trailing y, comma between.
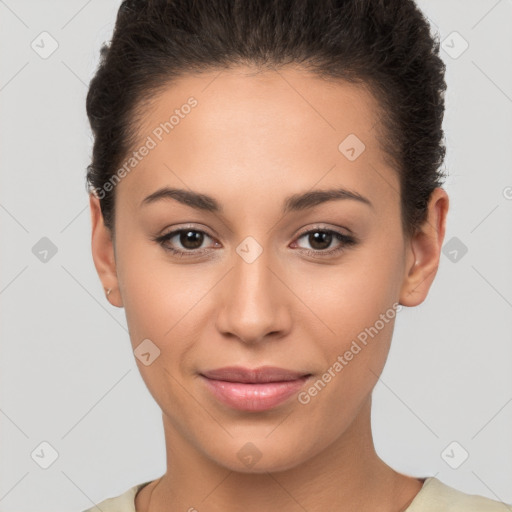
x: 265, y: 196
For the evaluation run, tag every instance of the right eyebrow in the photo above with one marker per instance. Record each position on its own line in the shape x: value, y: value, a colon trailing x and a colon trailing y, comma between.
x: 192, y: 199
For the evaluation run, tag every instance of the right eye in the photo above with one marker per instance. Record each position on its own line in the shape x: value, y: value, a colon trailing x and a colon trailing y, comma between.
x: 190, y: 240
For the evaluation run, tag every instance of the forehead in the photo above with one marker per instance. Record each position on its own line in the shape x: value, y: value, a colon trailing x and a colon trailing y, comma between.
x: 262, y: 132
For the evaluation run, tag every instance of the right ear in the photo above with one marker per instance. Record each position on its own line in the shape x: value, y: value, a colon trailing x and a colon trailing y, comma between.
x: 103, y: 252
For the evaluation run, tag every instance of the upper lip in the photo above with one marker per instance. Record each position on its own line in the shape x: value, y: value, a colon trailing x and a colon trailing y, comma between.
x: 255, y: 375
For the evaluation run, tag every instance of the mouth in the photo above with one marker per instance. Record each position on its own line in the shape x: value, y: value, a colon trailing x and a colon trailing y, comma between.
x: 263, y: 374
x: 253, y: 390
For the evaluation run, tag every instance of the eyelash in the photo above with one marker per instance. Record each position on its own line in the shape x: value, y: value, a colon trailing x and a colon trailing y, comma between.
x: 347, y: 241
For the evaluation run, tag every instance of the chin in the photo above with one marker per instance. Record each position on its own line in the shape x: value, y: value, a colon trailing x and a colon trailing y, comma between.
x: 258, y: 457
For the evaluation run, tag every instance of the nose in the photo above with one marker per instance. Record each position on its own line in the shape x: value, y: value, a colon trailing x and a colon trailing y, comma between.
x: 254, y: 302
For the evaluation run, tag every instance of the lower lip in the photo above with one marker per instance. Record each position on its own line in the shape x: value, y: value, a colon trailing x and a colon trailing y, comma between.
x: 253, y: 397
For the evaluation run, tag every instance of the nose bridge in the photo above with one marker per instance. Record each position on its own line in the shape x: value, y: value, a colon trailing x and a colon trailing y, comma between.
x: 252, y: 304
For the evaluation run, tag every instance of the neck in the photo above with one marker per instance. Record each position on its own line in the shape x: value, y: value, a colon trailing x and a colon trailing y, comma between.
x: 347, y: 475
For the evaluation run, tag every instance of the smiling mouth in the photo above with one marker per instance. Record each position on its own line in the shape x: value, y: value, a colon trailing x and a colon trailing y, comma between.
x: 254, y: 397
x: 262, y: 374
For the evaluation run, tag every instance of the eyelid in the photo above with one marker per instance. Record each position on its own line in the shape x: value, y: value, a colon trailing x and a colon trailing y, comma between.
x: 324, y: 227
x: 192, y: 226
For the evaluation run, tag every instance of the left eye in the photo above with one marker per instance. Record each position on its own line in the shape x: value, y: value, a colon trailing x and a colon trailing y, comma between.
x: 321, y: 239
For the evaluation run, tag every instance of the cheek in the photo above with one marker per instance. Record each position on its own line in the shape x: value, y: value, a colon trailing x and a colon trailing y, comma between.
x: 354, y: 356
x: 161, y: 303
x: 154, y: 290
x: 164, y: 302
x: 351, y: 296
x: 355, y: 305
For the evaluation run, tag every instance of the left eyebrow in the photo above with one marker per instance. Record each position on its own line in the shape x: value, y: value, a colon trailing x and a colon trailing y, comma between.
x: 315, y: 197
x: 296, y: 202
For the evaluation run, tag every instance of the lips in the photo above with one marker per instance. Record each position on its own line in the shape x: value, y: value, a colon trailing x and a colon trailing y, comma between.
x: 253, y: 390
x: 253, y: 376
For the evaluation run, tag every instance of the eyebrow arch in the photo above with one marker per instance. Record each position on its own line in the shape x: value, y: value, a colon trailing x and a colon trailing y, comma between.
x: 315, y: 197
x: 293, y: 203
x: 192, y: 199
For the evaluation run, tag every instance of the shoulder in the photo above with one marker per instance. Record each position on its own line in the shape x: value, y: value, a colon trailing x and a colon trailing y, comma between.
x: 436, y: 496
x: 123, y: 503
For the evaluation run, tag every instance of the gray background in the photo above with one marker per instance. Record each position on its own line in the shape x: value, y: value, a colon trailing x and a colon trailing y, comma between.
x: 68, y: 376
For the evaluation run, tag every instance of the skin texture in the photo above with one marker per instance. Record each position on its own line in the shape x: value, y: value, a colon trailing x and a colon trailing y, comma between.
x: 253, y: 140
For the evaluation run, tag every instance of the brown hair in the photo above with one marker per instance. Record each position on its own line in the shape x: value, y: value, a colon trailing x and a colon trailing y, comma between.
x: 384, y: 45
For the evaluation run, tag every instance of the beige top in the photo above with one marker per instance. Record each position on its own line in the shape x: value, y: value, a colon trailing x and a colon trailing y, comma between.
x: 434, y: 496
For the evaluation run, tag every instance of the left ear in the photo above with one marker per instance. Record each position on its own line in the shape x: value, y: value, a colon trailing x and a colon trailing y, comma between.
x: 423, y: 251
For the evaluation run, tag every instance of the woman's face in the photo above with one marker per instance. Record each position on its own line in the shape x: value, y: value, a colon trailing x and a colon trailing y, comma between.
x: 261, y: 279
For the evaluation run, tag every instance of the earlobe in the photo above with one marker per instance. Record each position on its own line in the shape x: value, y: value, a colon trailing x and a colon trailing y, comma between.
x: 424, y: 251
x: 103, y: 253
